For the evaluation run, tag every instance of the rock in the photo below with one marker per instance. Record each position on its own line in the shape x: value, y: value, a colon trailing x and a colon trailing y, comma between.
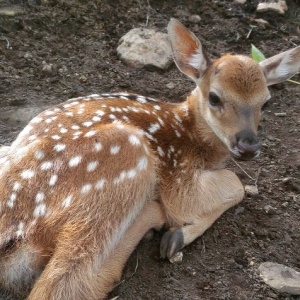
x: 240, y: 1
x: 251, y: 190
x: 261, y: 22
x: 170, y: 85
x: 278, y: 6
x: 281, y: 278
x: 177, y: 258
x: 20, y: 116
x: 195, y: 19
x: 270, y: 210
x: 145, y: 47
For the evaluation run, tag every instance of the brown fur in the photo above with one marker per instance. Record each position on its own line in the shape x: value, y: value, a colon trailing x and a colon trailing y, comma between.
x: 85, y: 180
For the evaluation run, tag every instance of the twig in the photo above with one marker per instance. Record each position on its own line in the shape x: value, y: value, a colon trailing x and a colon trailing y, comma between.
x: 250, y: 31
x: 243, y: 169
x: 147, y: 18
x: 136, y: 266
x: 5, y: 39
x: 257, y: 175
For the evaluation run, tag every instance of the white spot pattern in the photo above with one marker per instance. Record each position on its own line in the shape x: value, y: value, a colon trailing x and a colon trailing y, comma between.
x: 75, y: 161
x: 115, y: 149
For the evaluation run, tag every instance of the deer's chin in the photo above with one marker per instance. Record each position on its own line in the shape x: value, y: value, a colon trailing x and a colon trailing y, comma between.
x: 244, y: 156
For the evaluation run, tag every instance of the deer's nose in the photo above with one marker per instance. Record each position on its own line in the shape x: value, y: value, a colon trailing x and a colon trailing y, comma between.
x: 247, y: 144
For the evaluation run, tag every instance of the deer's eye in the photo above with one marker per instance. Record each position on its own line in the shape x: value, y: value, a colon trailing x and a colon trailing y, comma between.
x: 265, y: 105
x: 214, y: 99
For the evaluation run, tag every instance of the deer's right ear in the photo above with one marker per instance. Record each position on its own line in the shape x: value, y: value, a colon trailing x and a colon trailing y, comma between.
x: 187, y: 50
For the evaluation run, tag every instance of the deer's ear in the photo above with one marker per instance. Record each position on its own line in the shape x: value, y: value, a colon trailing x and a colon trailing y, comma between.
x: 282, y: 66
x: 187, y: 50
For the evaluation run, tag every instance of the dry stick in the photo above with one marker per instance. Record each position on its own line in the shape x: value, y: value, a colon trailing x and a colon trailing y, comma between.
x: 243, y: 170
x: 147, y: 20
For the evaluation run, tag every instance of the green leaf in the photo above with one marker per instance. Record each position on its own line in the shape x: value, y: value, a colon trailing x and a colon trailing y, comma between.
x: 256, y: 54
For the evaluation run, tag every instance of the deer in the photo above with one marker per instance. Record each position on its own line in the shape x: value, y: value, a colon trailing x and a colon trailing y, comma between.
x: 85, y: 180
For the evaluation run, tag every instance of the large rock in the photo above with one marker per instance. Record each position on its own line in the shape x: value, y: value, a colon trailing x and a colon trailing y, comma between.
x: 277, y: 6
x: 280, y: 277
x: 145, y: 47
x: 20, y: 116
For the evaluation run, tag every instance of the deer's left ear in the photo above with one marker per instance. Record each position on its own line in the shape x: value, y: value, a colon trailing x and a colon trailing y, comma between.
x: 282, y: 66
x: 187, y: 50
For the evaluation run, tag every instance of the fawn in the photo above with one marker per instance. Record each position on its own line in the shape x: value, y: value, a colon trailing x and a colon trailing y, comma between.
x: 85, y: 180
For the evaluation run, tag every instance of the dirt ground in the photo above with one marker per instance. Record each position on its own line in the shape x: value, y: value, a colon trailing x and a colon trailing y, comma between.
x: 54, y: 50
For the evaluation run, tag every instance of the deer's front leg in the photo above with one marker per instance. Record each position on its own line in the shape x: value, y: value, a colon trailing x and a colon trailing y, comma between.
x: 212, y: 194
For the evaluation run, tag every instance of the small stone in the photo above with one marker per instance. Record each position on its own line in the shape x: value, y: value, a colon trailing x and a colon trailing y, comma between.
x: 280, y: 114
x: 270, y: 210
x: 281, y: 278
x: 240, y: 1
x: 278, y: 6
x: 251, y: 190
x: 262, y: 22
x: 239, y: 210
x: 195, y: 19
x: 285, y: 204
x: 177, y: 258
x: 83, y: 78
x: 170, y: 85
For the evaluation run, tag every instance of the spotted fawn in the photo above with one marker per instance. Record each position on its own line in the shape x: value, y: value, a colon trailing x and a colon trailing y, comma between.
x: 86, y: 179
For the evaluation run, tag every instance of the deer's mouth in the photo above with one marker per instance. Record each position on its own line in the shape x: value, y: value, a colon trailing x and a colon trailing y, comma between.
x: 239, y: 154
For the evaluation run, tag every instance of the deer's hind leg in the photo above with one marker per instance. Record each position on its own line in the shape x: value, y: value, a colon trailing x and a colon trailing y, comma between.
x: 213, y: 192
x: 94, y: 227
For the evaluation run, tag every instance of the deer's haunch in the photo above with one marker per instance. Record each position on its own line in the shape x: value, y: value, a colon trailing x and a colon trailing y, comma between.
x: 85, y: 180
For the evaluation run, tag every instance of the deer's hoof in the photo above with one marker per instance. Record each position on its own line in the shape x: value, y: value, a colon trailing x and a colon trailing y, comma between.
x: 171, y: 243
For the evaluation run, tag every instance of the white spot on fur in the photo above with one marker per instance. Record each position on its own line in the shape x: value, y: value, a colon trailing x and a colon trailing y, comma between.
x: 69, y: 113
x: 111, y: 116
x: 27, y: 174
x: 11, y: 200
x: 96, y: 119
x: 75, y: 127
x: 59, y: 147
x: 75, y: 161
x: 125, y: 118
x: 100, y: 184
x: 40, y: 210
x: 90, y: 133
x: 20, y: 230
x: 141, y: 99
x: 17, y: 186
x: 92, y: 166
x: 66, y: 202
x: 49, y: 113
x: 46, y: 165
x: 153, y: 128
x: 157, y: 107
x: 39, y: 197
x: 32, y: 137
x: 160, y: 151
x: 56, y: 137
x: 86, y: 188
x: 142, y: 163
x: 134, y: 140
x: 115, y: 149
x: 87, y: 124
x: 100, y: 112
x: 98, y: 146
x: 36, y: 120
x: 53, y: 180
x: 39, y: 154
x: 178, y: 134
x: 63, y: 130
x: 131, y: 173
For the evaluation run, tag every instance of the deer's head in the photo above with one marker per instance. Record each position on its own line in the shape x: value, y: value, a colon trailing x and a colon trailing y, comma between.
x: 232, y: 90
